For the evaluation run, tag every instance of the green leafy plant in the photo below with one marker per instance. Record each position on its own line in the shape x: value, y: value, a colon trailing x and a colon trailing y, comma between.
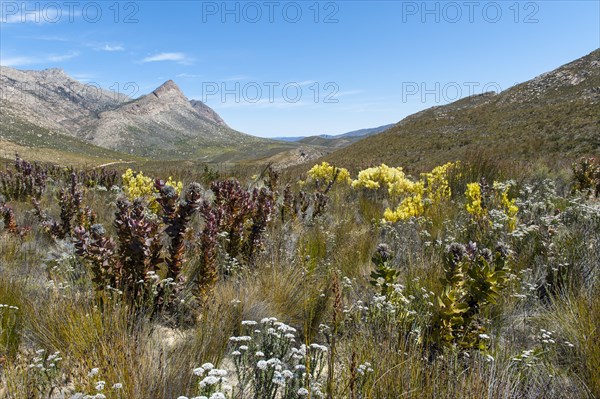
x: 384, y: 276
x: 586, y: 176
x: 473, y: 279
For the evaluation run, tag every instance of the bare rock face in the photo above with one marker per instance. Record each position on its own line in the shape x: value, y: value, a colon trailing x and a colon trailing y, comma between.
x: 168, y: 97
x: 564, y: 83
x: 161, y: 121
x: 207, y: 112
x: 53, y: 100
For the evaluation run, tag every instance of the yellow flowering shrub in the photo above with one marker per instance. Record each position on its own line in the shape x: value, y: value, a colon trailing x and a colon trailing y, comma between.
x: 436, y: 182
x: 509, y: 206
x: 409, y: 207
x: 474, y: 199
x: 419, y: 197
x: 404, y: 187
x: 498, y: 199
x: 378, y: 177
x: 136, y: 185
x: 324, y: 174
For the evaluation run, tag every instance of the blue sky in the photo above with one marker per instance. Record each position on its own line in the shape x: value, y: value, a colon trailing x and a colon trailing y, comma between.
x: 283, y: 68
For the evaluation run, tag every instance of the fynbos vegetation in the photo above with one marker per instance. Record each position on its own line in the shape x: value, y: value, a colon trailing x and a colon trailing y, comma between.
x: 456, y: 282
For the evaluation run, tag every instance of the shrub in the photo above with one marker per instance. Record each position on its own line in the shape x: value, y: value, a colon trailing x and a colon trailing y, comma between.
x: 269, y: 365
x: 25, y: 181
x: 380, y: 177
x: 324, y: 176
x: 136, y: 185
x: 176, y: 216
x: 426, y: 196
x: 242, y: 216
x: 492, y: 204
x: 8, y: 218
x: 586, y: 176
x: 473, y: 278
x: 70, y: 201
x: 205, y: 273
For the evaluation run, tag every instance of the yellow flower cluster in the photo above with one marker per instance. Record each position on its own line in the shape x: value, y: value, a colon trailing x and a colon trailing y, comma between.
x: 409, y: 207
x: 433, y: 189
x: 508, y: 205
x: 499, y: 200
x: 378, y: 177
x: 325, y: 173
x: 136, y: 185
x: 474, y: 199
x: 438, y: 188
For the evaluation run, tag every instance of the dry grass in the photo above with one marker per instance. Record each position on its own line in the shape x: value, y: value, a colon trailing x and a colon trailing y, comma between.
x: 292, y: 281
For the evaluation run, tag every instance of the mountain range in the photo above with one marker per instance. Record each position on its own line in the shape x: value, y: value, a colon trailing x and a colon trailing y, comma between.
x: 162, y: 124
x: 353, y: 134
x: 553, y: 116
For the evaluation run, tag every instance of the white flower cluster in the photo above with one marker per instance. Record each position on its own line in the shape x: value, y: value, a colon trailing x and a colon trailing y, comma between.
x: 547, y: 337
x: 213, y: 384
x: 364, y: 368
x: 100, y: 385
x: 267, y: 363
x: 527, y: 358
x: 44, y: 363
x: 216, y: 395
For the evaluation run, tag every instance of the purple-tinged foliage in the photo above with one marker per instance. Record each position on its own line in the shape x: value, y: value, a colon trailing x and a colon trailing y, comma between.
x: 176, y: 216
x: 27, y: 180
x: 99, y: 250
x: 263, y: 206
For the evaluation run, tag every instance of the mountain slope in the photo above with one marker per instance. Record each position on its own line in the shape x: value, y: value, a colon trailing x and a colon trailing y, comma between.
x: 163, y: 124
x: 207, y: 112
x: 53, y: 100
x: 361, y: 132
x: 37, y: 143
x: 557, y: 114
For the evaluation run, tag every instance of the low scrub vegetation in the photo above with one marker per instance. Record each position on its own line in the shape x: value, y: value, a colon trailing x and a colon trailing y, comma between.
x: 465, y: 281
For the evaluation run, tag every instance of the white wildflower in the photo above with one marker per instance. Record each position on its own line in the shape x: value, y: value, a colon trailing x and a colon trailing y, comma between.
x: 262, y: 365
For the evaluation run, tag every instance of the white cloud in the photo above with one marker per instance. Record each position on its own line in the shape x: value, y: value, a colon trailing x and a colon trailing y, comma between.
x: 20, y: 17
x: 26, y: 60
x: 306, y: 82
x: 17, y: 61
x: 111, y: 48
x: 188, y: 75
x: 175, y: 57
x: 62, y: 57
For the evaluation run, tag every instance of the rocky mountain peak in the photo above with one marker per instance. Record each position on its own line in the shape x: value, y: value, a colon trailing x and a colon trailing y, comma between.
x: 169, y: 91
x: 53, y: 72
